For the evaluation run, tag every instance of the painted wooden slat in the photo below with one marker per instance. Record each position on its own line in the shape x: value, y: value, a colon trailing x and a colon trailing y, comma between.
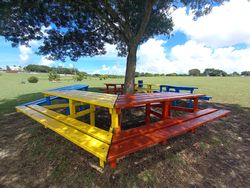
x: 130, y: 133
x: 140, y: 142
x: 92, y: 145
x: 146, y: 98
x: 99, y: 99
x: 95, y: 132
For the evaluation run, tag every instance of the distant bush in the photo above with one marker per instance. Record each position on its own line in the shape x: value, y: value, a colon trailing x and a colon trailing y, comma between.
x: 80, y: 76
x: 33, y: 79
x: 53, y: 76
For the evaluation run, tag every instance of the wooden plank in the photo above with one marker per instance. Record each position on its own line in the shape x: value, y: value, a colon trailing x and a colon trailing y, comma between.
x: 124, y: 101
x: 95, y: 132
x: 134, y: 132
x: 99, y: 99
x: 146, y: 140
x: 92, y: 145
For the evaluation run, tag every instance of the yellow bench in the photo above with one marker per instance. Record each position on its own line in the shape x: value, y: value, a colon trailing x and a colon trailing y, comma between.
x: 90, y: 138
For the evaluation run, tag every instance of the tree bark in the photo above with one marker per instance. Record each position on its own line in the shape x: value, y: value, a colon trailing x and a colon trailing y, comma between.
x: 130, y: 70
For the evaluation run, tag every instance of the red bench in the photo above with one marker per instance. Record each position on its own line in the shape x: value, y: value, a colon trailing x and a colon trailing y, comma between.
x: 136, y: 139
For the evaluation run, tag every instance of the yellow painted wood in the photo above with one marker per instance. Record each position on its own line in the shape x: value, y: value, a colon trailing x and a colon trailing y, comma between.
x: 82, y: 113
x: 95, y: 132
x: 101, y: 163
x: 114, y: 119
x: 54, y: 106
x: 63, y: 105
x: 92, y: 145
x: 92, y: 115
x: 72, y: 108
x: 99, y: 99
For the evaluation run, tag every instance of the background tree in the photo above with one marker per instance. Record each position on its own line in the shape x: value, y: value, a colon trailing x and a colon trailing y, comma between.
x: 245, y: 73
x: 81, y: 28
x: 194, y: 72
x: 214, y: 72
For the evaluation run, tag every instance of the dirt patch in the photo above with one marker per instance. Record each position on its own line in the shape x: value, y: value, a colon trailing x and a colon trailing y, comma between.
x: 216, y: 156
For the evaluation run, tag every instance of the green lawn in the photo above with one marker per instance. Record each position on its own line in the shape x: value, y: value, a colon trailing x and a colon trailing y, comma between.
x: 230, y: 90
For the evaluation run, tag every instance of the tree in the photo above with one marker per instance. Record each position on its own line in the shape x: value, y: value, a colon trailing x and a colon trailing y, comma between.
x: 245, y: 73
x: 81, y: 28
x: 214, y: 72
x: 194, y: 72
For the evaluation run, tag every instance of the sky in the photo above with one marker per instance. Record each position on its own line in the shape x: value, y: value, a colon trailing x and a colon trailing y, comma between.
x: 218, y: 40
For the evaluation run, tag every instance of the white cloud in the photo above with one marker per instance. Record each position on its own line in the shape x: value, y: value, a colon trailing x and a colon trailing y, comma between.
x: 226, y: 25
x: 116, y: 69
x: 45, y: 61
x: 24, y: 53
x: 153, y: 58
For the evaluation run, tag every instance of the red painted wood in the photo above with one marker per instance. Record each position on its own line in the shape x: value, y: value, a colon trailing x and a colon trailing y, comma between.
x: 147, y: 119
x: 146, y: 140
x: 184, y: 109
x: 156, y: 113
x: 159, y: 125
x: 124, y: 101
x: 166, y: 109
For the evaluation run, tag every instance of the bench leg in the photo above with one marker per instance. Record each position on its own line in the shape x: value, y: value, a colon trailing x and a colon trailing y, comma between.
x: 166, y: 110
x: 196, y: 107
x: 164, y: 142
x: 147, y: 119
x: 115, y: 122
x: 193, y: 131
x: 113, y: 164
x: 101, y: 163
x: 72, y: 108
x: 92, y: 115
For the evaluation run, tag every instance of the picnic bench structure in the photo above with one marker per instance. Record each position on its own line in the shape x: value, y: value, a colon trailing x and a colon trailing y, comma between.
x: 115, y: 143
x: 114, y: 88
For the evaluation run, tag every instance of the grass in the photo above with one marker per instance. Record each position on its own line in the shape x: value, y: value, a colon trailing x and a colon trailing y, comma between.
x: 230, y: 90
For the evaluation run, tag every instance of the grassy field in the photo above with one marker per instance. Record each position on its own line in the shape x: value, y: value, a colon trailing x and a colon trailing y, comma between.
x: 216, y: 156
x: 229, y: 90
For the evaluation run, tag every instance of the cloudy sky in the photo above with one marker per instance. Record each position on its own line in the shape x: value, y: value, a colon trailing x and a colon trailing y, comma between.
x: 219, y: 40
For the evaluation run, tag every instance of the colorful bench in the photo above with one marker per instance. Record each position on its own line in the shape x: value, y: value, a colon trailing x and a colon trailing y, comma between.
x: 111, y: 145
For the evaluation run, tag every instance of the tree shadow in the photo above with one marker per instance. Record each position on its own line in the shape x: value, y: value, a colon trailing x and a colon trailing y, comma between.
x: 216, y: 155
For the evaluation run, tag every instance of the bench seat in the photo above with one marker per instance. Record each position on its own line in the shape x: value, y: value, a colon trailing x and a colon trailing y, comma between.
x: 121, y: 147
x: 92, y: 139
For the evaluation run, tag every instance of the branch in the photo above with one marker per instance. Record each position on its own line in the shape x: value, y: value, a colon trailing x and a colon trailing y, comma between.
x: 145, y: 20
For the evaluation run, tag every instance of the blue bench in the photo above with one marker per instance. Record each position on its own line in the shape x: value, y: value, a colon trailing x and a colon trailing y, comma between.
x: 47, y: 100
x: 178, y: 89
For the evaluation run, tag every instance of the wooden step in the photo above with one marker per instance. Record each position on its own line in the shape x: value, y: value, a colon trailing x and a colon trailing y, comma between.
x: 142, y: 141
x: 95, y: 132
x: 92, y: 145
x: 159, y: 125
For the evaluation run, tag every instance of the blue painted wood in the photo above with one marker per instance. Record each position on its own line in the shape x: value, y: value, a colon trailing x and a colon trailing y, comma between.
x: 171, y: 88
x: 205, y: 98
x: 47, y: 100
x: 178, y: 89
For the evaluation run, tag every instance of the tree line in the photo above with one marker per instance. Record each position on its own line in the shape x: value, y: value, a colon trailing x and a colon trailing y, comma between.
x: 215, y: 72
x: 47, y: 69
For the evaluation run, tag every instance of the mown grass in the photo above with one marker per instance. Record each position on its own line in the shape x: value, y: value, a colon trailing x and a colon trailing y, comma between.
x: 230, y: 90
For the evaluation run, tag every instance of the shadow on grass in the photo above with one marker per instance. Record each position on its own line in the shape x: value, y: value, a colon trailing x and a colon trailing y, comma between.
x: 8, y: 105
x: 216, y: 155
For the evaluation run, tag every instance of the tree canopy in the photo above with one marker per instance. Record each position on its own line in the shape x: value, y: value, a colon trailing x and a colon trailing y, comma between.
x: 82, y: 28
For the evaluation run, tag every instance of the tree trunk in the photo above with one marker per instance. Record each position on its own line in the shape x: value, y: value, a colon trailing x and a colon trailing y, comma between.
x: 130, y: 70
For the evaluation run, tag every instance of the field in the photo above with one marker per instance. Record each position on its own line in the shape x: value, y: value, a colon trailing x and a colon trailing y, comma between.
x: 216, y: 156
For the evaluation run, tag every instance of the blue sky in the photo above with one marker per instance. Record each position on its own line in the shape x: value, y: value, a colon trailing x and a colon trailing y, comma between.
x: 218, y: 40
